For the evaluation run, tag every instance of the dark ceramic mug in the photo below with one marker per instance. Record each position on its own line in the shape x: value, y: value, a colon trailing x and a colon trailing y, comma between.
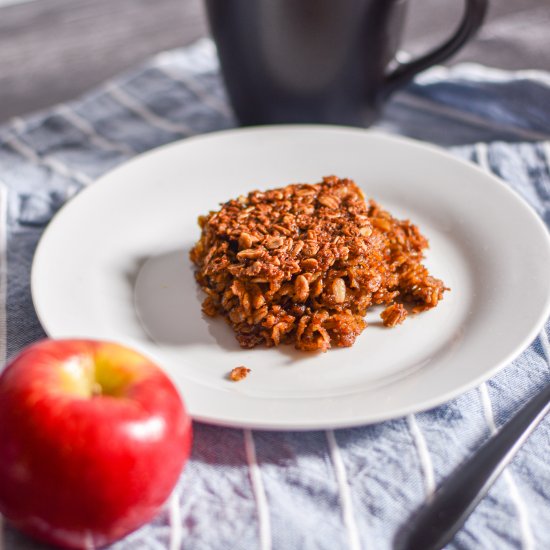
x: 320, y: 61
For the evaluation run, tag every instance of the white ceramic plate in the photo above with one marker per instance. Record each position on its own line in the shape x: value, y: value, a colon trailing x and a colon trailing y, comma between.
x: 114, y: 265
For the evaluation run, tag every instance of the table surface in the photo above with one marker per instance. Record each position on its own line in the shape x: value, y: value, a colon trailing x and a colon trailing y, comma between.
x: 53, y: 50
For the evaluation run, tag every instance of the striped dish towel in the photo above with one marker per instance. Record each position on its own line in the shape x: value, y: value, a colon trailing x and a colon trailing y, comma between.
x: 351, y: 488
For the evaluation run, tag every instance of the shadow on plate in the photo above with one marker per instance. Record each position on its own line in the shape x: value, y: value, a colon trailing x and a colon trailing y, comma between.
x: 168, y: 301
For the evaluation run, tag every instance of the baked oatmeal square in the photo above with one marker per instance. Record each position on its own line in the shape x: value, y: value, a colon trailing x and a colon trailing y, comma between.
x: 303, y: 263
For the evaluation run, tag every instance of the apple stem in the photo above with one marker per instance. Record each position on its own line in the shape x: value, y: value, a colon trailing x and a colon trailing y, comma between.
x: 96, y: 389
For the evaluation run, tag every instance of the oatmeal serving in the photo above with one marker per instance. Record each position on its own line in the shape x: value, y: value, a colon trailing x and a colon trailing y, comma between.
x: 302, y: 264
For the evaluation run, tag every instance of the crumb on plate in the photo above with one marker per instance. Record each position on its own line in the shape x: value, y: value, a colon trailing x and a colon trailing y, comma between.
x: 239, y: 373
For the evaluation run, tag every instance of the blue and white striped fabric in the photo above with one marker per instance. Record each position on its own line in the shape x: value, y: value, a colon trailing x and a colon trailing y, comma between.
x: 345, y: 489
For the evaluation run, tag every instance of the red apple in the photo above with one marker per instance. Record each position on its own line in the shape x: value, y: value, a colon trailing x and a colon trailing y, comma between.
x: 93, y: 437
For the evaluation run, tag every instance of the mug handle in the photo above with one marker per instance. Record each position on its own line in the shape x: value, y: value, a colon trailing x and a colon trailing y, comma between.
x: 474, y: 14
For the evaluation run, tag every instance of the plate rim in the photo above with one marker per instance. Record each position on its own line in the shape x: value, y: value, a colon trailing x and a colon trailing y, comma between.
x: 313, y: 424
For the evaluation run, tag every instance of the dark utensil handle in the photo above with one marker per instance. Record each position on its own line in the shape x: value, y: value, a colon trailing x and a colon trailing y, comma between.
x: 474, y: 14
x: 438, y: 521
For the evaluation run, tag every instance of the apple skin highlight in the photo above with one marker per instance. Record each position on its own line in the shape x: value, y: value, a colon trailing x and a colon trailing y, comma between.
x: 93, y: 437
